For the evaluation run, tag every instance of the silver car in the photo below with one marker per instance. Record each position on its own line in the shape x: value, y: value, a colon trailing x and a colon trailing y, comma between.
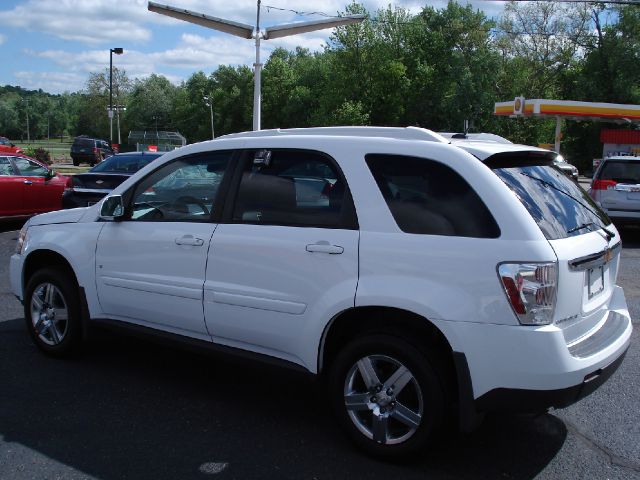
x: 616, y: 188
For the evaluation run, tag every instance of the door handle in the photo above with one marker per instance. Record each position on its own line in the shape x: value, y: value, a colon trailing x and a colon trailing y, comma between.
x: 28, y: 182
x: 190, y: 240
x: 325, y: 247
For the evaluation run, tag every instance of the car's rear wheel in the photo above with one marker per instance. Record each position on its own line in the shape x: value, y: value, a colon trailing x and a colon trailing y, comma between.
x: 76, y: 162
x: 52, y: 312
x: 387, y: 395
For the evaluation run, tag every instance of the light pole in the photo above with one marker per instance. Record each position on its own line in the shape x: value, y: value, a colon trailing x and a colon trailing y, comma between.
x: 208, y: 101
x: 117, y: 51
x: 248, y: 32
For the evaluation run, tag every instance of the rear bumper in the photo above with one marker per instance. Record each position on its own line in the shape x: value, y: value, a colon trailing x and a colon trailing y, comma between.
x: 530, y: 369
x: 76, y: 199
x: 533, y: 401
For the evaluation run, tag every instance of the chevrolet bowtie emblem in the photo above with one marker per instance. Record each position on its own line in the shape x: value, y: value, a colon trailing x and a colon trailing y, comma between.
x: 99, y: 182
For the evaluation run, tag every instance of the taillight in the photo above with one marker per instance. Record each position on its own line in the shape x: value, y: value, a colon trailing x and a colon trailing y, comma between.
x: 68, y: 186
x: 95, y: 150
x: 531, y: 290
x: 603, y: 184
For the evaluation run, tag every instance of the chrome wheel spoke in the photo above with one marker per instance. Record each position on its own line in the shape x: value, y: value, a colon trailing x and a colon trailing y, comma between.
x: 60, y: 314
x: 55, y: 336
x: 406, y: 416
x: 48, y: 294
x: 369, y: 375
x: 357, y: 401
x: 399, y: 379
x: 40, y: 326
x: 36, y: 302
x: 380, y: 428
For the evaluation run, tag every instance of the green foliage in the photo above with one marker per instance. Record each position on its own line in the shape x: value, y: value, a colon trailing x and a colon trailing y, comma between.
x: 39, y: 154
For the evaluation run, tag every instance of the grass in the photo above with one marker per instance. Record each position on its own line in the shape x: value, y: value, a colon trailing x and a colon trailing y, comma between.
x: 59, y: 151
x: 69, y: 170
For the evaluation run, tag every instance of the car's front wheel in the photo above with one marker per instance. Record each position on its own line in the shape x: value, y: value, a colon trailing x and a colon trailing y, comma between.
x: 387, y: 395
x: 52, y: 312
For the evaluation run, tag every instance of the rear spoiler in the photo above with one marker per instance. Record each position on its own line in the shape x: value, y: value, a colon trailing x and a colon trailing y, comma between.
x: 520, y: 159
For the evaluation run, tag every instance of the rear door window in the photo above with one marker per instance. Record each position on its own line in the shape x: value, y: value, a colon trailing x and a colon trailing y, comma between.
x: 557, y: 204
x: 293, y: 188
x: 428, y: 197
x: 621, y: 171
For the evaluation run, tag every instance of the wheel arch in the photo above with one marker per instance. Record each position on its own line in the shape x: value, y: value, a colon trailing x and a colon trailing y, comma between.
x: 378, y: 319
x: 45, y: 258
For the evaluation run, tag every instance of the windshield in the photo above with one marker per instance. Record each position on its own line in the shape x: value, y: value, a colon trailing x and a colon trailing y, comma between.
x: 123, y: 163
x: 558, y: 205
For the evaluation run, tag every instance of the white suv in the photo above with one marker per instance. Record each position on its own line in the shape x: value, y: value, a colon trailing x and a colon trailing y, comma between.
x: 424, y: 281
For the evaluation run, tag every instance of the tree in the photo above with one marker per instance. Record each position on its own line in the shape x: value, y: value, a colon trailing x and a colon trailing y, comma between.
x: 151, y: 104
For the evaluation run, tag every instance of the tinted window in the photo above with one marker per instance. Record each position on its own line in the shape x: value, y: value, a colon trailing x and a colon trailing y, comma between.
x: 28, y: 168
x: 428, y: 197
x: 621, y: 171
x: 123, y: 163
x: 181, y: 191
x: 558, y: 205
x: 293, y: 187
x: 84, y: 142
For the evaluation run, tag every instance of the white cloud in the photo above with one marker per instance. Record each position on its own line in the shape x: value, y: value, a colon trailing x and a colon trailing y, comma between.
x: 3, y: 38
x: 53, y: 82
x: 89, y: 22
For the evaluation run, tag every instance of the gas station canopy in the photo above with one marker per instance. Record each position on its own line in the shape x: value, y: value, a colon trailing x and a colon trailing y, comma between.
x: 570, y: 110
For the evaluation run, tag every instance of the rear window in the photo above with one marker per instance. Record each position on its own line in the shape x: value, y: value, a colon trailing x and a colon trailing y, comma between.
x: 428, y: 197
x: 123, y: 163
x: 558, y: 205
x: 83, y: 142
x: 621, y: 171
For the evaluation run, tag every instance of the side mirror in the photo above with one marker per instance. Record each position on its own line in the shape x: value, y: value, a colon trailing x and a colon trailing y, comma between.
x: 112, y: 208
x: 50, y: 174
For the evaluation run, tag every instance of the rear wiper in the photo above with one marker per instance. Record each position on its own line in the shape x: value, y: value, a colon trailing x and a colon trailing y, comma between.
x: 609, y: 234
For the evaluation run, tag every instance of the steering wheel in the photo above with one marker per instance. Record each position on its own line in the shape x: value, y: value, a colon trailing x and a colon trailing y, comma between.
x: 180, y: 204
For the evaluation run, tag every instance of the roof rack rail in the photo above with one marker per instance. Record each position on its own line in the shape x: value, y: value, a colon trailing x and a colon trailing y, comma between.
x: 400, y: 133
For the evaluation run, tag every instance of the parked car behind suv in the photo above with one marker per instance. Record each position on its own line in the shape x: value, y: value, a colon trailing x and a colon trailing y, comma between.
x: 7, y: 147
x: 89, y: 150
x: 28, y: 187
x: 616, y: 188
x: 90, y: 187
x: 422, y: 280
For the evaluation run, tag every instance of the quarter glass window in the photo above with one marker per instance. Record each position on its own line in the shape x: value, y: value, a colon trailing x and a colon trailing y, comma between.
x: 428, y: 197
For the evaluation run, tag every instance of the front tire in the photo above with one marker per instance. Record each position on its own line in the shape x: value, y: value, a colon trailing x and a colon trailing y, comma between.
x: 52, y: 312
x: 387, y: 396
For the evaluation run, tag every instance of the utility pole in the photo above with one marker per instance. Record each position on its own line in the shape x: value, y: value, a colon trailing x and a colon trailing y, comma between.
x: 247, y: 31
x: 26, y: 109
x: 208, y: 101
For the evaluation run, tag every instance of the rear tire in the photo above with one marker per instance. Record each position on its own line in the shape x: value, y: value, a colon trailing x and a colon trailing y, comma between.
x: 53, y: 313
x: 76, y: 162
x: 387, y: 395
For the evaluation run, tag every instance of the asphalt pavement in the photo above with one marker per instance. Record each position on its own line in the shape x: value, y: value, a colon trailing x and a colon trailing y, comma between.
x: 129, y: 409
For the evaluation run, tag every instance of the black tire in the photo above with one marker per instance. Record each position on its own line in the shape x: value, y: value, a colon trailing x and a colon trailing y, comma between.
x: 54, y: 334
x: 419, y: 403
x: 76, y: 162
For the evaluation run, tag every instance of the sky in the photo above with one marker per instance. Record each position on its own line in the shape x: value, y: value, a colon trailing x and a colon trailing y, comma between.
x: 53, y: 45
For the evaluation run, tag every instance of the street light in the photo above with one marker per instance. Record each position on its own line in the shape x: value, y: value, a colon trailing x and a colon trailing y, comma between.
x: 208, y: 101
x: 247, y: 31
x: 117, y: 51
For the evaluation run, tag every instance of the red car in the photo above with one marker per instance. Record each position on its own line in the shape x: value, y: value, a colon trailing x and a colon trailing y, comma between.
x: 7, y: 147
x: 28, y: 187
